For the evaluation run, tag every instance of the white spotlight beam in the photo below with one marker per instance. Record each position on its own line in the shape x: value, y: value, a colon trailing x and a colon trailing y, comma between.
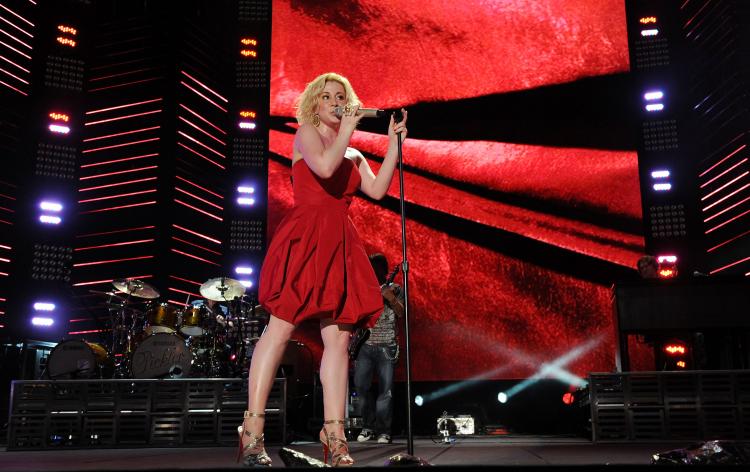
x: 516, y: 356
x: 555, y: 367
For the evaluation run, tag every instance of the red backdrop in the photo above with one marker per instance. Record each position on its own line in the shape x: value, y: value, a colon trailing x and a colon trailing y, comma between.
x: 484, y: 299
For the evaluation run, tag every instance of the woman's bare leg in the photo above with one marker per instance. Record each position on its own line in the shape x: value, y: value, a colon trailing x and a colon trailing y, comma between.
x: 263, y: 366
x: 334, y: 373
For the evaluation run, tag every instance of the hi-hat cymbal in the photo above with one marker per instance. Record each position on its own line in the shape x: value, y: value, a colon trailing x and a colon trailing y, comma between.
x: 221, y: 289
x: 137, y: 288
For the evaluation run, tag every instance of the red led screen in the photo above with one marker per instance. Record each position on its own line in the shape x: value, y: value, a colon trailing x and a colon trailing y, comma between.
x: 515, y: 231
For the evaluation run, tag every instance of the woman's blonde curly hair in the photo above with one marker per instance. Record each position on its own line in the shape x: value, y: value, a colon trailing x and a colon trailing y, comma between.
x: 307, y: 102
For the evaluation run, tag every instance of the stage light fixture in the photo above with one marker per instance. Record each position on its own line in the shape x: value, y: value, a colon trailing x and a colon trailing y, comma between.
x: 244, y: 199
x: 650, y: 32
x: 47, y: 207
x: 50, y: 220
x: 652, y: 97
x: 247, y: 120
x: 59, y: 129
x: 248, y: 48
x: 647, y: 20
x: 50, y: 206
x: 44, y: 306
x: 418, y: 400
x: 667, y: 266
x: 67, y: 30
x: 568, y: 398
x: 502, y: 397
x: 42, y: 321
x: 675, y: 349
x: 243, y: 270
x: 59, y: 116
x: 660, y: 174
x: 661, y: 184
x: 245, y: 189
x: 59, y: 123
x: 66, y: 41
x: 676, y: 353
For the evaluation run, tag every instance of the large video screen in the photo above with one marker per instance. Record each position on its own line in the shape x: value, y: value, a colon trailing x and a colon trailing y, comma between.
x: 521, y: 180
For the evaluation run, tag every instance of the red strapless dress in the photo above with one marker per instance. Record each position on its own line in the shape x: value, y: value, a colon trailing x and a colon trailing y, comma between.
x: 316, y: 266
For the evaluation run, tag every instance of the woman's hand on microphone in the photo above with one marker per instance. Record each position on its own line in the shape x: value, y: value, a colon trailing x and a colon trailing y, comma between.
x: 395, y: 128
x: 350, y: 119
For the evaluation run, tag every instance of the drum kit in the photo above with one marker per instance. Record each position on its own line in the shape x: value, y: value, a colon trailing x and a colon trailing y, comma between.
x: 214, y: 337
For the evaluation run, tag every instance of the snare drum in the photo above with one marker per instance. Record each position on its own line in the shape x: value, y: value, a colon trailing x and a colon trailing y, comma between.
x: 76, y: 359
x: 161, y: 355
x: 161, y: 319
x: 192, y: 321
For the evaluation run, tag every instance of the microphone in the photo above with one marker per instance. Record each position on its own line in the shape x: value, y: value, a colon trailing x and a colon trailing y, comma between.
x: 364, y: 112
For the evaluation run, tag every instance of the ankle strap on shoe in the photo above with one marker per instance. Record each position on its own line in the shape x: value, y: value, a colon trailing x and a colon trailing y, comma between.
x: 334, y: 422
x: 250, y: 414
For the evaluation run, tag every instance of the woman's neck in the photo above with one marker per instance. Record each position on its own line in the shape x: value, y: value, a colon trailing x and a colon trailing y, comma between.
x: 328, y: 133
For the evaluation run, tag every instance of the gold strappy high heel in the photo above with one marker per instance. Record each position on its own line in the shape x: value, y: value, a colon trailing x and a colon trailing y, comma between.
x: 254, y: 454
x: 337, y: 448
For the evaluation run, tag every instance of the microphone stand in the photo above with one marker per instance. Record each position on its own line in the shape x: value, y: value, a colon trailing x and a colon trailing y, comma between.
x: 405, y: 270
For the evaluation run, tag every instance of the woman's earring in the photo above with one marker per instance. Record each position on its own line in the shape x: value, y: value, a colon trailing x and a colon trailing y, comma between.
x: 316, y: 120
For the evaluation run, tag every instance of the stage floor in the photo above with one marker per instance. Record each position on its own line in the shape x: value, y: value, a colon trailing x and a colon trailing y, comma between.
x: 495, y: 451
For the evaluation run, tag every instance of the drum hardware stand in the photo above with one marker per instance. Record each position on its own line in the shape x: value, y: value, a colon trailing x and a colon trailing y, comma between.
x: 118, y: 345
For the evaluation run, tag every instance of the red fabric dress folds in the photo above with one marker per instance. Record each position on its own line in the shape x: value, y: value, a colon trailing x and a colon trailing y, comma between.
x: 316, y: 266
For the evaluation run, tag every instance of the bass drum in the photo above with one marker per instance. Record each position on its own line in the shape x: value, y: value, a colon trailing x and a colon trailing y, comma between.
x: 161, y: 355
x: 76, y: 359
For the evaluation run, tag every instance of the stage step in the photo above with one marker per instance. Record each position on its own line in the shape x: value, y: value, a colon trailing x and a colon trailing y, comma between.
x: 71, y: 414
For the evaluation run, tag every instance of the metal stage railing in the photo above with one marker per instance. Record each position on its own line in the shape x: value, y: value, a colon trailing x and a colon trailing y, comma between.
x: 74, y: 414
x: 692, y: 405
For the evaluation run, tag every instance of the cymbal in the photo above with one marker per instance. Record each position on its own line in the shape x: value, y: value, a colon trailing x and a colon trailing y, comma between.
x: 220, y: 289
x: 137, y: 288
x: 109, y: 294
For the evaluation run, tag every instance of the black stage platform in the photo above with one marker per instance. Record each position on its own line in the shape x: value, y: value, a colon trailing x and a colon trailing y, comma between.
x: 506, y: 452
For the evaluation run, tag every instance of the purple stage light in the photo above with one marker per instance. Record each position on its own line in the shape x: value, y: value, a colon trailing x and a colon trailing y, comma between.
x: 50, y: 206
x: 60, y: 129
x: 653, y: 95
x: 42, y: 321
x: 243, y: 270
x: 662, y: 187
x: 660, y: 174
x: 44, y: 306
x: 49, y: 219
x: 244, y: 201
